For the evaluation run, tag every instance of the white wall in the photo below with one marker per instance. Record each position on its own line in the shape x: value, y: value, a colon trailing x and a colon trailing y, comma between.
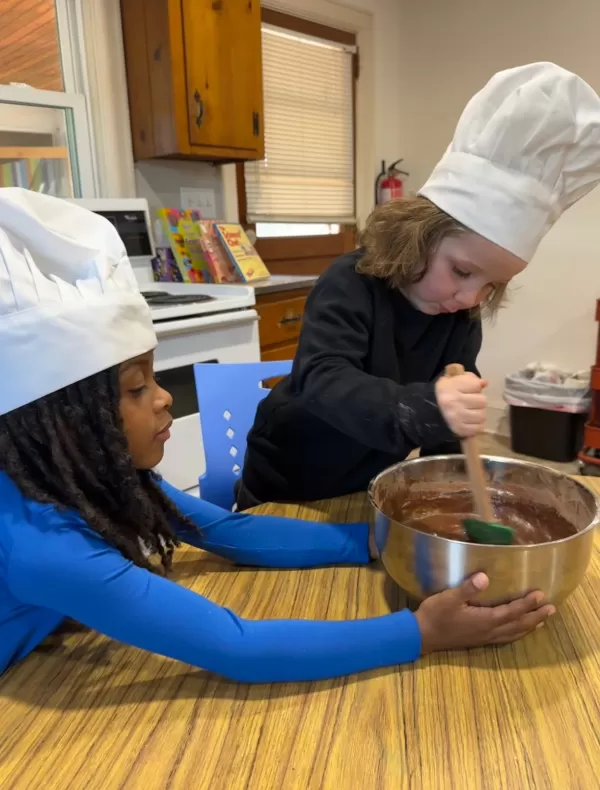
x: 159, y: 182
x: 106, y: 88
x: 451, y: 49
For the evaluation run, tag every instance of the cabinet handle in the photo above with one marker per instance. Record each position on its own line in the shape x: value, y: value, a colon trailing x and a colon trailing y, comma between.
x: 290, y: 319
x: 199, y: 108
x: 255, y: 124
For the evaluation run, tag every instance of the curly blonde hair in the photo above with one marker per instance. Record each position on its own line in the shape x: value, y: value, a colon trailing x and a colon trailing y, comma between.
x: 399, y: 238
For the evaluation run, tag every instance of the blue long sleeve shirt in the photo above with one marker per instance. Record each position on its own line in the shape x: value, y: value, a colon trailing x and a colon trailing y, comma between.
x: 52, y: 566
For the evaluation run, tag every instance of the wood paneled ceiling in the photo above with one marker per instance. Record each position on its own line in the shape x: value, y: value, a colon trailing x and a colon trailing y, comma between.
x: 29, y: 48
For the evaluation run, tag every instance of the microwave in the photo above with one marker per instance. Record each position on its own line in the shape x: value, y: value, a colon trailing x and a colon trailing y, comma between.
x: 131, y: 218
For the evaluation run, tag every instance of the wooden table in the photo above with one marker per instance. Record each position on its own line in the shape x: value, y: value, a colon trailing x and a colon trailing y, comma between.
x: 89, y: 713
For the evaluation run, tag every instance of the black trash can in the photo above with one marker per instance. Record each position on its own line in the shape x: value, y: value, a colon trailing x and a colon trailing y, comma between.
x: 551, y: 435
x: 548, y: 411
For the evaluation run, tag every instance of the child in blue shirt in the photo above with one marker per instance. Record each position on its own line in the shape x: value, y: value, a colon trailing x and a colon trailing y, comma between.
x: 88, y: 531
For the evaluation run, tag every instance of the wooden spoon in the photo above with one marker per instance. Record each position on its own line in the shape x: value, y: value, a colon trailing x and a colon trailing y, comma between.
x: 482, y: 529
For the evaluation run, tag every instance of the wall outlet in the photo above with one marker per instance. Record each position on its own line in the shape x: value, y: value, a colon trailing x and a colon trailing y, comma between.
x: 203, y: 200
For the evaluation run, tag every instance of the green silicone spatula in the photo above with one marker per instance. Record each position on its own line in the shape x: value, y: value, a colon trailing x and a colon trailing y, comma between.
x: 483, y: 529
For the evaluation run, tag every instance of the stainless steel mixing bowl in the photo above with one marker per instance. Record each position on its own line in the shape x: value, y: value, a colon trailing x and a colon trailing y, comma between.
x: 423, y: 563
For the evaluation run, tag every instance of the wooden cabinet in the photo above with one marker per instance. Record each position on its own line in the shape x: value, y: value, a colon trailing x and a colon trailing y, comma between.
x: 279, y: 353
x: 194, y: 76
x: 280, y: 323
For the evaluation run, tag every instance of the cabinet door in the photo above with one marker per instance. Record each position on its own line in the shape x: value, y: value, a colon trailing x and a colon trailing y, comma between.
x: 279, y: 353
x: 223, y: 73
x: 281, y: 320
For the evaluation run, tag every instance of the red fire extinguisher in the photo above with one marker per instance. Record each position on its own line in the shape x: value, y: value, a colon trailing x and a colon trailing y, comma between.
x: 387, y: 185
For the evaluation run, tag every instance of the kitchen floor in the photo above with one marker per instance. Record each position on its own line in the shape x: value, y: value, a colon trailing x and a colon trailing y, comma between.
x: 492, y: 444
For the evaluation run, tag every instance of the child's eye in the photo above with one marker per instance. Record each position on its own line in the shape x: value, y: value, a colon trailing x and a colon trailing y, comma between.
x: 461, y: 273
x: 138, y: 391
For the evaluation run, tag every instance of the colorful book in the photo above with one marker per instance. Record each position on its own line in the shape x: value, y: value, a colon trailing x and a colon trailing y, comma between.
x: 181, y: 231
x: 223, y: 270
x: 164, y: 266
x: 242, y: 254
x: 188, y: 224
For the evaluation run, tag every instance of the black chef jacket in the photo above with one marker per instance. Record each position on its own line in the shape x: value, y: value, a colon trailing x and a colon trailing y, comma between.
x: 361, y: 393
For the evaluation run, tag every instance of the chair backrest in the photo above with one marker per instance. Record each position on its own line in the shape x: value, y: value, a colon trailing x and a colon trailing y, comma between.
x: 228, y: 396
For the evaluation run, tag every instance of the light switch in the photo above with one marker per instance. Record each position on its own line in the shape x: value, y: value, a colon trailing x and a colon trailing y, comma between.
x: 203, y: 200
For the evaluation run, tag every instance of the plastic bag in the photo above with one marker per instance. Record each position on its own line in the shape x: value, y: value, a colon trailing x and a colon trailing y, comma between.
x: 544, y: 386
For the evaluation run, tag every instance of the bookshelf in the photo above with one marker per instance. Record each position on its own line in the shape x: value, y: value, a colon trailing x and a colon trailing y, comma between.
x: 43, y: 168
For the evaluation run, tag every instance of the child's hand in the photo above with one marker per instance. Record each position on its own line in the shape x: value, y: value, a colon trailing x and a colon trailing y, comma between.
x: 449, y: 620
x: 462, y: 404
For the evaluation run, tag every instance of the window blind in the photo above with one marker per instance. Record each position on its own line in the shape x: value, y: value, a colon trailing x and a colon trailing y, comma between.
x: 307, y: 174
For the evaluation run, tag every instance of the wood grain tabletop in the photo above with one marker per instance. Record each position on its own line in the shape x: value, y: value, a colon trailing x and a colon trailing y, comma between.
x: 85, y: 712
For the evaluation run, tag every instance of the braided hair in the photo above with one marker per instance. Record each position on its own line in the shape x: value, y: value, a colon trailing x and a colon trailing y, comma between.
x: 68, y: 449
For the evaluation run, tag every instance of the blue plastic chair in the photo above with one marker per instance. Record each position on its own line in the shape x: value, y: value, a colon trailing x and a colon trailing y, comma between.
x: 228, y: 396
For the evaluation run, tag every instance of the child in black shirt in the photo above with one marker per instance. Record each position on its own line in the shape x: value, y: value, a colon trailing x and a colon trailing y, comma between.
x: 380, y: 326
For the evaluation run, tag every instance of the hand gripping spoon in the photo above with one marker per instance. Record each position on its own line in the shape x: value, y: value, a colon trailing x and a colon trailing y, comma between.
x: 482, y: 529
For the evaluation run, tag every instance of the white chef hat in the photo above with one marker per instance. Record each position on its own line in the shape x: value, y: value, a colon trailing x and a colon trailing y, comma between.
x: 69, y: 303
x: 526, y: 147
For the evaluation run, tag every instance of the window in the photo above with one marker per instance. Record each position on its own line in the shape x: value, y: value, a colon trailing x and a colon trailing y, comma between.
x: 307, y: 175
x: 304, y: 188
x: 44, y: 133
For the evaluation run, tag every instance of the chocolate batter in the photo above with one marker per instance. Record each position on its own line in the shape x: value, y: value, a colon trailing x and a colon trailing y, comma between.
x: 442, y: 514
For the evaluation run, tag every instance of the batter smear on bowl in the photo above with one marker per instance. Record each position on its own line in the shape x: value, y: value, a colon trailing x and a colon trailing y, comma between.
x: 443, y: 515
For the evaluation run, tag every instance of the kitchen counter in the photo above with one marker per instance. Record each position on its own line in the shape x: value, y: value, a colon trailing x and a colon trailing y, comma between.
x: 277, y: 283
x: 91, y: 713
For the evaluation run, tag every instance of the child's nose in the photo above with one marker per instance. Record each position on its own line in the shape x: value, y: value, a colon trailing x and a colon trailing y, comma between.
x: 163, y: 400
x: 470, y: 298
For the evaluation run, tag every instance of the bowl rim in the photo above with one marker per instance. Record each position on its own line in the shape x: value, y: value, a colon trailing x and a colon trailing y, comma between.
x: 495, y: 458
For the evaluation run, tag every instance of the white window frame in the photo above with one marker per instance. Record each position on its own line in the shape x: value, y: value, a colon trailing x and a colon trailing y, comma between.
x: 71, y: 40
x: 272, y: 230
x: 32, y: 97
x: 74, y: 97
